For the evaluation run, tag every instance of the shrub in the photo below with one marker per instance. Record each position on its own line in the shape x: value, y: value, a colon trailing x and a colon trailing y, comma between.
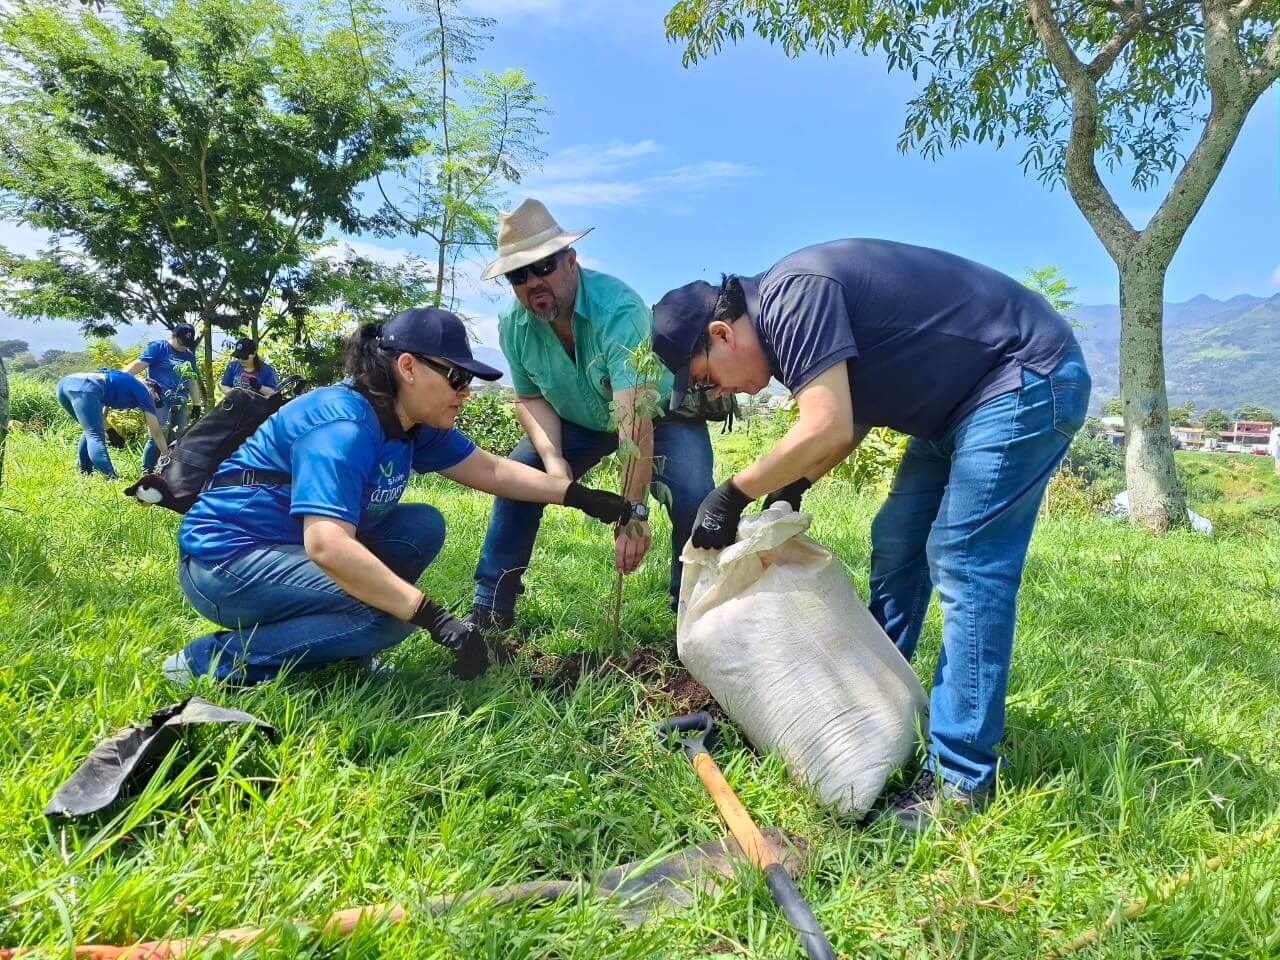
x: 489, y: 419
x: 33, y: 405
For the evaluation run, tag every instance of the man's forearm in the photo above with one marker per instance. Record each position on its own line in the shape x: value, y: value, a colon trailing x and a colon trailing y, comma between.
x: 541, y: 424
x: 860, y: 432
x: 639, y: 470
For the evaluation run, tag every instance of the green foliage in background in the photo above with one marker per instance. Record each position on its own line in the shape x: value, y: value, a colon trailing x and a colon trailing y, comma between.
x: 33, y: 406
x: 488, y: 418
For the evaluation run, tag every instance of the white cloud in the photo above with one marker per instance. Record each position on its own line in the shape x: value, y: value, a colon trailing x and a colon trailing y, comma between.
x: 619, y: 174
x: 1275, y: 277
x: 586, y: 194
x: 587, y: 160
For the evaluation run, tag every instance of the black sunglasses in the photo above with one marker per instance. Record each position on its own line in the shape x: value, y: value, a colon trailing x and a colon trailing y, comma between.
x: 458, y: 378
x: 541, y: 268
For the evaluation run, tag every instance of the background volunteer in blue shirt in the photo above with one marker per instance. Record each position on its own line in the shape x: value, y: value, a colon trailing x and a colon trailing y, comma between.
x: 989, y: 382
x: 569, y: 335
x: 171, y: 364
x: 88, y: 396
x: 300, y: 546
x: 247, y: 370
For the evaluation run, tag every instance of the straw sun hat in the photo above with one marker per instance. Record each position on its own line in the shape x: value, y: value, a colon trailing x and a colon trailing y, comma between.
x: 526, y: 235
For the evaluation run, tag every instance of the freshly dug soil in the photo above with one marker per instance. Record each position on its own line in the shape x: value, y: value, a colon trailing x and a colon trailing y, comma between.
x: 665, y: 679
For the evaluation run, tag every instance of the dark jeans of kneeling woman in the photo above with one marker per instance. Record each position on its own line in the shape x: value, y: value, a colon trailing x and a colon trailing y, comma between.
x: 281, y: 610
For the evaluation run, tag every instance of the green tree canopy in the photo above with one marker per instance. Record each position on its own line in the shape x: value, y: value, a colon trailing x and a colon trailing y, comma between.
x: 1214, y: 419
x: 183, y: 152
x: 1180, y: 416
x: 1252, y: 411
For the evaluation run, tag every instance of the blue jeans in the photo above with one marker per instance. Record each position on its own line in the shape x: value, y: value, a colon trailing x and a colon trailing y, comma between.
x: 283, y: 610
x: 682, y: 460
x: 173, y: 419
x: 959, y: 518
x: 81, y: 397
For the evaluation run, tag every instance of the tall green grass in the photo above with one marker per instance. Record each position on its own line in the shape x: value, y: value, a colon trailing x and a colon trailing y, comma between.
x: 1143, y: 718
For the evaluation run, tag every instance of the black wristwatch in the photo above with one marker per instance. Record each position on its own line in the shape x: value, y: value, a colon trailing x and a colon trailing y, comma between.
x: 640, y: 511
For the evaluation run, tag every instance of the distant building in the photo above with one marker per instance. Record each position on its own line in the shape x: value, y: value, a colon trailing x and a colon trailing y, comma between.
x: 1249, y: 433
x: 1188, y: 436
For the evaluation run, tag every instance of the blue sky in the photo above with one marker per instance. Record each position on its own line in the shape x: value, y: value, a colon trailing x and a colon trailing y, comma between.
x: 746, y: 157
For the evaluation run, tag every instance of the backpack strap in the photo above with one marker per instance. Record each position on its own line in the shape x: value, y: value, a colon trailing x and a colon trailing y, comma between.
x: 249, y: 478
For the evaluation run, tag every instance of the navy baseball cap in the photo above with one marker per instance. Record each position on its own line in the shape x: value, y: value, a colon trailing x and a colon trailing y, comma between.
x: 186, y: 334
x: 245, y: 348
x: 680, y: 321
x: 432, y: 332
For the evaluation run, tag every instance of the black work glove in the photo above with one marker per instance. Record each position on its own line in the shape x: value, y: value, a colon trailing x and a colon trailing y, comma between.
x: 716, y: 525
x: 599, y: 504
x: 791, y: 493
x: 470, y: 653
x: 115, y: 439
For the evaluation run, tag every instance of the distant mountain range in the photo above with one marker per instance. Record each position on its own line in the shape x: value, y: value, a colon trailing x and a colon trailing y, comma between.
x: 1218, y: 353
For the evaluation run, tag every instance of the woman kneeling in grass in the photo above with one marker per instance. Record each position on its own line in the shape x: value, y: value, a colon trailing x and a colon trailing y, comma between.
x: 300, y: 546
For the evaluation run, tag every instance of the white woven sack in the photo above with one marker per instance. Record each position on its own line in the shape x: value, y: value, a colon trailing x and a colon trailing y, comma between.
x: 774, y: 629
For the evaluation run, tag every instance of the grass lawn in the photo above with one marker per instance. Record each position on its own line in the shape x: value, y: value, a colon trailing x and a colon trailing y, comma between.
x: 1142, y: 742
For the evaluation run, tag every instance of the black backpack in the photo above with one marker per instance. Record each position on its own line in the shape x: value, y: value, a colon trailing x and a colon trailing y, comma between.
x: 193, y: 458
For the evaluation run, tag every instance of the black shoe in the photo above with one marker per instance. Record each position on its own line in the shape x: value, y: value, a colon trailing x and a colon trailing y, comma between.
x: 929, y: 800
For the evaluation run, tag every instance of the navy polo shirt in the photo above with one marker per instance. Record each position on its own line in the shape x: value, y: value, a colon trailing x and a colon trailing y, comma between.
x: 124, y: 391
x: 345, y: 463
x: 927, y: 335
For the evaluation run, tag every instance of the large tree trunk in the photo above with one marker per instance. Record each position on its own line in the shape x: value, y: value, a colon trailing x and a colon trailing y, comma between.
x: 1155, y: 498
x: 4, y: 414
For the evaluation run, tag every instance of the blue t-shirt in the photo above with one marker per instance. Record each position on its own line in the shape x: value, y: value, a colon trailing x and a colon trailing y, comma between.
x: 124, y: 391
x: 235, y: 375
x: 344, y: 464
x: 165, y: 366
x: 927, y: 335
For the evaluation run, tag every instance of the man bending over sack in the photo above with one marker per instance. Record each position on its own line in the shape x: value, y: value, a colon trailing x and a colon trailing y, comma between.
x: 989, y: 382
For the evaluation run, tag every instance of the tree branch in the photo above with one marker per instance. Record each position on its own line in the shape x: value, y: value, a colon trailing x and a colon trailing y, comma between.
x: 1263, y: 73
x: 1080, y: 171
x: 1233, y: 92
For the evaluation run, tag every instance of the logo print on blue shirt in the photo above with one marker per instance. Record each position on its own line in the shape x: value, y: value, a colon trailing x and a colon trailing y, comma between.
x: 390, y: 486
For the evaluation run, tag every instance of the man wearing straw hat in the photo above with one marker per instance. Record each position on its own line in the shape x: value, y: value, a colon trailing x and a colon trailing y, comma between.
x: 568, y: 336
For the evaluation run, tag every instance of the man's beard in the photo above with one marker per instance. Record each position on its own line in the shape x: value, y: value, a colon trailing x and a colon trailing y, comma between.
x: 551, y: 314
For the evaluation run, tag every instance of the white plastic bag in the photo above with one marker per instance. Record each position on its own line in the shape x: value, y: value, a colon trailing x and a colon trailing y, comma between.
x: 775, y: 630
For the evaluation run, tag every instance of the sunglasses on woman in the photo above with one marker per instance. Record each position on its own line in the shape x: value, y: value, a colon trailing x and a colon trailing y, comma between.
x: 458, y: 378
x: 542, y: 268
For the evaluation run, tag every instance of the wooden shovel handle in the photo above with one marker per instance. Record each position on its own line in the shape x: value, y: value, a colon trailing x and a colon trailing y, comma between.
x: 743, y: 828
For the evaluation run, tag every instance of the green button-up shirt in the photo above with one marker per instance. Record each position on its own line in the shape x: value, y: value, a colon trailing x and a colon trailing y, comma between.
x: 609, y: 321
